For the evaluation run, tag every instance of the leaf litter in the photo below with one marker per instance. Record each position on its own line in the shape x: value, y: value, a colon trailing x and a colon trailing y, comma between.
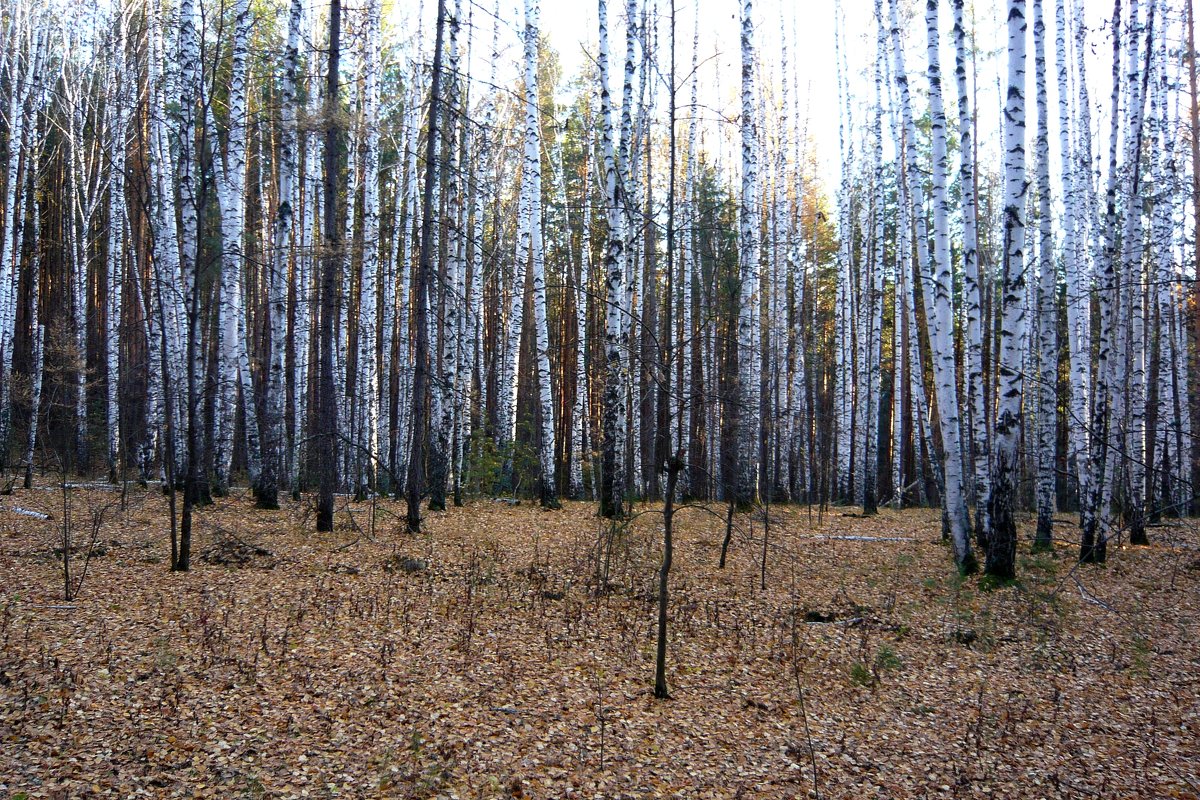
x: 487, y: 659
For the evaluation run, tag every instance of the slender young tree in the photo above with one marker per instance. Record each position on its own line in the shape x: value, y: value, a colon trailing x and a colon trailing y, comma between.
x: 580, y: 300
x: 190, y: 86
x: 1133, y: 280
x: 118, y: 143
x: 1194, y: 114
x: 548, y: 489
x: 974, y: 382
x: 1078, y: 301
x: 267, y: 491
x: 36, y: 329
x: 1047, y: 302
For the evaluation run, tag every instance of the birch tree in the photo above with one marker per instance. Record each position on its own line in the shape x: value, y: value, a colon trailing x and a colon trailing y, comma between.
x: 945, y: 366
x: 746, y: 410
x: 974, y: 382
x: 234, y: 360
x: 1047, y: 301
x: 1002, y: 535
x: 612, y: 495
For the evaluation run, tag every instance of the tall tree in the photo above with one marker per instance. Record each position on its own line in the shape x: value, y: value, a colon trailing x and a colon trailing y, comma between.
x: 234, y: 360
x: 745, y: 411
x: 936, y: 290
x: 1047, y: 301
x: 327, y: 410
x: 612, y: 494
x: 1002, y: 536
x: 414, y: 484
x: 974, y: 380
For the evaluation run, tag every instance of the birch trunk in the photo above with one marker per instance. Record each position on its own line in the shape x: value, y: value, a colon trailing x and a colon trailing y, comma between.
x: 1002, y: 536
x: 367, y: 385
x: 1096, y: 516
x: 1078, y: 298
x: 612, y: 495
x: 1134, y: 283
x: 974, y: 382
x: 945, y: 367
x: 746, y: 410
x: 267, y: 490
x: 36, y: 329
x: 24, y: 65
x: 231, y: 197
x: 1047, y: 303
x: 581, y: 302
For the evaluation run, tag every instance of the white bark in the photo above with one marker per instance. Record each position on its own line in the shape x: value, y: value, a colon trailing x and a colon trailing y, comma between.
x: 581, y: 304
x: 843, y: 315
x: 1133, y: 282
x: 749, y: 365
x: 1047, y: 301
x: 231, y: 198
x: 117, y: 227
x: 941, y: 320
x: 689, y: 274
x: 615, y: 338
x: 166, y: 294
x: 267, y: 488
x: 1002, y: 537
x: 190, y: 89
x: 367, y: 384
x: 974, y: 382
x: 1096, y: 511
x: 1078, y: 299
x: 24, y: 62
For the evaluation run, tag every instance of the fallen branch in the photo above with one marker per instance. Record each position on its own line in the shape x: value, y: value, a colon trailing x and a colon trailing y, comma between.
x: 848, y: 538
x: 1092, y: 598
x: 26, y: 512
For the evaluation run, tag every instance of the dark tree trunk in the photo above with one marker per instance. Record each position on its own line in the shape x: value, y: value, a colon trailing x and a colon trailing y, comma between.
x: 326, y: 399
x: 420, y: 421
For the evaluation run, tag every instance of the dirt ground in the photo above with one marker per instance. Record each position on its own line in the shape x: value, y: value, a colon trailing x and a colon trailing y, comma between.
x: 487, y: 659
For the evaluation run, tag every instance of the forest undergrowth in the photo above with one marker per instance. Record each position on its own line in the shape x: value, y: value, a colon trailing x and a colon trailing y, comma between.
x: 509, y: 652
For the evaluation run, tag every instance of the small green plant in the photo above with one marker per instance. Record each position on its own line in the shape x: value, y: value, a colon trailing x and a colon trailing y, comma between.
x: 524, y: 460
x: 886, y: 660
x: 1040, y: 561
x: 485, y: 465
x: 1141, y: 654
x: 254, y: 787
x: 989, y: 583
x: 860, y: 675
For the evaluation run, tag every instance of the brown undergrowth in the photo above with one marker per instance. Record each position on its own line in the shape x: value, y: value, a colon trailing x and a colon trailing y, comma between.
x: 486, y: 659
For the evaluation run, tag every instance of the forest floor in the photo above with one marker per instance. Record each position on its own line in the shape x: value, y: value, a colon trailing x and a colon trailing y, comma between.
x: 479, y: 660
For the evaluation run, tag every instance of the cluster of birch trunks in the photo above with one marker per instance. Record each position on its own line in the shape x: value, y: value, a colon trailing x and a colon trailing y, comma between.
x: 306, y: 243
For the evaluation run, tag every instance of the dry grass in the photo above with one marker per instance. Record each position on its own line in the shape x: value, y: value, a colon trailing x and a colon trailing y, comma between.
x: 479, y: 661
